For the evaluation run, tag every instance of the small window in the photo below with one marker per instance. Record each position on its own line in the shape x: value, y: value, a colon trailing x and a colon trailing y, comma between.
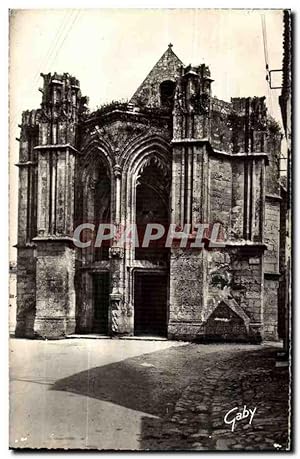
x: 56, y: 95
x: 167, y: 91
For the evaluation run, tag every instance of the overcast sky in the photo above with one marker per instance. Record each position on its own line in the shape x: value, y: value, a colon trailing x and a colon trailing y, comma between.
x: 112, y: 51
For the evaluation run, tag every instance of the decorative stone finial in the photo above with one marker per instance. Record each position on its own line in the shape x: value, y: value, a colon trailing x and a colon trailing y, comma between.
x: 117, y: 170
x: 170, y: 45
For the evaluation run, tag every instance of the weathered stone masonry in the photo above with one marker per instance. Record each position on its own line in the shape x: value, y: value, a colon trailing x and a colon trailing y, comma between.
x: 173, y: 154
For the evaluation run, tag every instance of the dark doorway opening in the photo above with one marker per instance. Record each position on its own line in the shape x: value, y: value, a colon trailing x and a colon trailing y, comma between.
x: 167, y: 92
x: 101, y: 303
x: 150, y: 304
x: 152, y: 206
x: 102, y: 193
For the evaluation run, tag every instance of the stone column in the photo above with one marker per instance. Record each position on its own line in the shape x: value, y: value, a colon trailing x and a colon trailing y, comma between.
x: 55, y: 296
x: 55, y: 290
x: 26, y: 262
x: 188, y: 266
x: 118, y: 314
x: 117, y: 176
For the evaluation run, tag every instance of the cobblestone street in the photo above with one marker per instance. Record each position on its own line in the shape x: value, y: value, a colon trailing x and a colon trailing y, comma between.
x: 157, y: 395
x: 249, y: 379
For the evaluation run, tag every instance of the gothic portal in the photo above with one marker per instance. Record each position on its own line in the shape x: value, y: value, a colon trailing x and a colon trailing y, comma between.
x: 172, y: 155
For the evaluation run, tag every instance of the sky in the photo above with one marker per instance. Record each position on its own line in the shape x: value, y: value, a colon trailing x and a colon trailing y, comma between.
x: 111, y: 51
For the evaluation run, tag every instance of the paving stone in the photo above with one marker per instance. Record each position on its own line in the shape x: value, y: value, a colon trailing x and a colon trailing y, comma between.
x: 204, y: 421
x: 223, y: 444
x: 198, y: 446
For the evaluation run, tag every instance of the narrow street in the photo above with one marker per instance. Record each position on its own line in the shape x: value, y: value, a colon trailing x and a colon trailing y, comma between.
x: 135, y: 394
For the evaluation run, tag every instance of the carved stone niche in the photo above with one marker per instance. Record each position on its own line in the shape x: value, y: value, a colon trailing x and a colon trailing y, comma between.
x: 227, y: 322
x: 116, y: 252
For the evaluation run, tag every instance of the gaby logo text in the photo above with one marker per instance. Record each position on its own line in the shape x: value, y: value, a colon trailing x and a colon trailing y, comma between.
x: 234, y: 415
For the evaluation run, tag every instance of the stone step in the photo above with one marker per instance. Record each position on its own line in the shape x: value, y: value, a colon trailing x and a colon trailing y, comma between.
x: 96, y: 336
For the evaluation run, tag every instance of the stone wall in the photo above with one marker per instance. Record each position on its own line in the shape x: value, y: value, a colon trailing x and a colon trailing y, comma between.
x: 55, y: 290
x: 218, y: 279
x: 284, y: 267
x: 221, y: 132
x: 186, y: 279
x: 200, y: 283
x: 272, y: 234
x: 26, y: 292
x: 270, y: 317
x: 273, y: 142
x: 220, y: 193
x: 238, y: 196
x: 246, y: 284
x: 235, y: 274
x: 271, y: 265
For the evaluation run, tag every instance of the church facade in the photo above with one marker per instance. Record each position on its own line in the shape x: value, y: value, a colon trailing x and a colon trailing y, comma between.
x: 172, y: 155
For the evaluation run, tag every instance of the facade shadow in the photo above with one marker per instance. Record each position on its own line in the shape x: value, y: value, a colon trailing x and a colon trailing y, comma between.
x: 153, y: 383
x: 148, y: 383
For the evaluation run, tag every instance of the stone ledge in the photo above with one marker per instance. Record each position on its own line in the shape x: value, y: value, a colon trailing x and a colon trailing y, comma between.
x: 273, y: 197
x: 56, y: 147
x: 242, y: 155
x: 271, y: 275
x: 189, y: 141
x: 247, y: 245
x: 227, y: 154
x: 27, y: 245
x: 52, y: 238
x: 26, y: 164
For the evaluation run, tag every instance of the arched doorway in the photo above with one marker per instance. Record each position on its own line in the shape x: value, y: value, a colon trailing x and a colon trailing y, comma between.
x: 151, y: 277
x: 93, y: 297
x: 96, y: 204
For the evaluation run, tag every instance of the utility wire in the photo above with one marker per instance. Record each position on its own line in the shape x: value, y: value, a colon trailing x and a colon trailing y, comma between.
x: 63, y: 31
x: 77, y: 14
x: 264, y: 33
x: 66, y: 18
x: 270, y: 92
x: 266, y: 55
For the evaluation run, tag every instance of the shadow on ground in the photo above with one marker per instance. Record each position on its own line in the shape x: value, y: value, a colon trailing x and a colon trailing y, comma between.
x: 147, y: 383
x: 153, y: 383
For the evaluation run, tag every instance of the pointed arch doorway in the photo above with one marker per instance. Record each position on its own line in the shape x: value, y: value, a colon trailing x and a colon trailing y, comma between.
x: 94, y: 279
x: 151, y: 277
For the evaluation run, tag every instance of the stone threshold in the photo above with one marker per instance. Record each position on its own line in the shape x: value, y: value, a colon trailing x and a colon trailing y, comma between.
x: 87, y: 336
x: 137, y: 338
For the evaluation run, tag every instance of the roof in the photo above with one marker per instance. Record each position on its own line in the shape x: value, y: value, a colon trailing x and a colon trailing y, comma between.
x: 168, y: 67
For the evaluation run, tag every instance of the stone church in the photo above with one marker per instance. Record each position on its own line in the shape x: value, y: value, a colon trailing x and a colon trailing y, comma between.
x: 173, y: 154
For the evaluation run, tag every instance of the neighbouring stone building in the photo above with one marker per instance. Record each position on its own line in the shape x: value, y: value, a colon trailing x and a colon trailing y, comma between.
x: 173, y: 154
x: 12, y: 297
x: 285, y: 102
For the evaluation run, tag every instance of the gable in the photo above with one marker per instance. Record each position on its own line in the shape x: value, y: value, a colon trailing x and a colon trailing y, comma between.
x: 168, y: 68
